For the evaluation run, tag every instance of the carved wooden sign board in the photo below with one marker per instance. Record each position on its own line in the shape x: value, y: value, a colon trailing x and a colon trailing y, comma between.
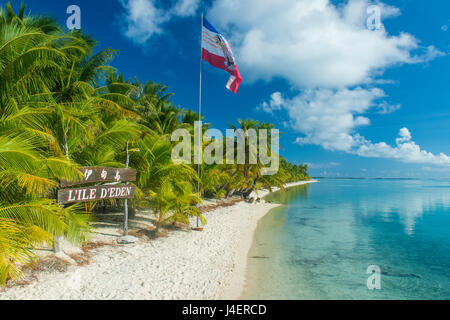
x: 102, y: 192
x: 101, y: 174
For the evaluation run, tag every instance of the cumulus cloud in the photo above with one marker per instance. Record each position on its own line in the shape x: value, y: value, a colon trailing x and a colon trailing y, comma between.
x: 386, y: 108
x: 405, y: 136
x: 314, y: 43
x: 276, y: 101
x: 186, y: 8
x: 325, y: 51
x: 405, y: 150
x: 330, y: 118
x: 329, y: 55
x: 144, y: 19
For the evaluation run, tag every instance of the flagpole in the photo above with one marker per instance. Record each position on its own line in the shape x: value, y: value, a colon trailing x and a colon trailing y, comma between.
x: 200, y: 119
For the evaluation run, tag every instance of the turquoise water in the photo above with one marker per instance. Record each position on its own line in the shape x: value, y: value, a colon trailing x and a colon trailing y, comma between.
x: 320, y: 244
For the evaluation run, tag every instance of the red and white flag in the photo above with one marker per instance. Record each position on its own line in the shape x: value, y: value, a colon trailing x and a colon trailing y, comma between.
x: 217, y: 51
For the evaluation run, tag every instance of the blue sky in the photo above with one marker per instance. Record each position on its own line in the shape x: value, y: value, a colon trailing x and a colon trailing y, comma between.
x: 350, y: 101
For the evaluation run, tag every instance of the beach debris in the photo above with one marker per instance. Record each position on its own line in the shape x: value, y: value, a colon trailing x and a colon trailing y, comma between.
x: 64, y: 257
x: 50, y: 264
x: 89, y: 246
x: 127, y: 240
x: 80, y: 259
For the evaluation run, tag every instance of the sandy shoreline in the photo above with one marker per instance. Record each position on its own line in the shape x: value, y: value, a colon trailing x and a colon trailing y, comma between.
x: 186, y: 265
x: 236, y: 285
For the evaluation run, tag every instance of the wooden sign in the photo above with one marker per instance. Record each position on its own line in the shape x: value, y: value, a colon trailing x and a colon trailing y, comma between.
x: 96, y: 193
x: 102, y: 174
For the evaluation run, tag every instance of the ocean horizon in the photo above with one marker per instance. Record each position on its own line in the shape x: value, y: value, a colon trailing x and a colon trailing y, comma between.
x: 321, y: 242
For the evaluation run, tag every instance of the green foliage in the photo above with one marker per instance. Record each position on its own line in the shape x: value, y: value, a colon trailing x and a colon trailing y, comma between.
x: 63, y: 106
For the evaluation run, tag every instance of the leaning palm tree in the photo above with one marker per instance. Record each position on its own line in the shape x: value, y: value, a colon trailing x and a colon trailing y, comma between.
x: 247, y: 177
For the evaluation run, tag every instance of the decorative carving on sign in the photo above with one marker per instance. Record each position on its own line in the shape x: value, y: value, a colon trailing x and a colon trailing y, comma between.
x: 103, y: 192
x: 117, y: 177
x: 101, y: 174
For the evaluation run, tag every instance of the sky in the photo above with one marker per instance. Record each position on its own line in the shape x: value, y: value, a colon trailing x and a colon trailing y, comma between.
x: 353, y: 95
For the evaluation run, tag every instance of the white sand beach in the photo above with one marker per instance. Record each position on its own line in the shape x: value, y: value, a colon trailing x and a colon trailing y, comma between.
x: 185, y: 265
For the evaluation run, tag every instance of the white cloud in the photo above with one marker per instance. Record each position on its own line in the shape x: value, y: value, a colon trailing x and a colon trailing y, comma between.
x: 327, y: 165
x: 352, y: 11
x: 329, y: 118
x: 314, y: 43
x: 405, y: 136
x: 328, y: 54
x: 145, y: 18
x: 186, y: 8
x: 405, y: 150
x: 386, y: 108
x: 275, y: 104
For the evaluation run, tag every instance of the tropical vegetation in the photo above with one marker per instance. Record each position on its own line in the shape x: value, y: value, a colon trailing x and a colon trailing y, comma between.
x: 62, y: 106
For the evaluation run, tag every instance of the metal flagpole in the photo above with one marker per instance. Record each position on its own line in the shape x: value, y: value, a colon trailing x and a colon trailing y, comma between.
x: 200, y: 119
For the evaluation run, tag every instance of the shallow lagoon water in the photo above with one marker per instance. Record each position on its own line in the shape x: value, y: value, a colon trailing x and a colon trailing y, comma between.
x: 321, y: 242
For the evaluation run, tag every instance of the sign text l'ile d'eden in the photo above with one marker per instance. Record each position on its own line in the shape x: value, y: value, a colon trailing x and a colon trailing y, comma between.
x: 102, y: 192
x: 96, y: 193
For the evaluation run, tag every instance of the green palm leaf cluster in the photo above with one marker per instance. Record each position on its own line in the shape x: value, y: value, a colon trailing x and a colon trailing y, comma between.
x: 31, y: 58
x: 62, y: 106
x: 243, y: 179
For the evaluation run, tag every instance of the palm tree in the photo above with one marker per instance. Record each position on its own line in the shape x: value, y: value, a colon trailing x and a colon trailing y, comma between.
x: 28, y: 216
x: 63, y: 106
x: 247, y: 177
x: 156, y: 110
x: 46, y: 24
x: 29, y: 172
x: 185, y: 206
x: 163, y: 183
x: 174, y: 202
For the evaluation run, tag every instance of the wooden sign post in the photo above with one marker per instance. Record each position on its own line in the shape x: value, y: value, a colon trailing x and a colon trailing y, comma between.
x: 110, y: 189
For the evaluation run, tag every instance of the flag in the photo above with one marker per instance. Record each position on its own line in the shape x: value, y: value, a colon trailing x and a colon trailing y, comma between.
x: 217, y: 52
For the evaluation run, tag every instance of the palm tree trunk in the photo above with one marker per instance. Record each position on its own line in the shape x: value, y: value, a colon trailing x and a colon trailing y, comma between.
x: 57, y: 245
x: 226, y: 185
x: 249, y: 192
x: 66, y: 143
x: 158, y: 223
